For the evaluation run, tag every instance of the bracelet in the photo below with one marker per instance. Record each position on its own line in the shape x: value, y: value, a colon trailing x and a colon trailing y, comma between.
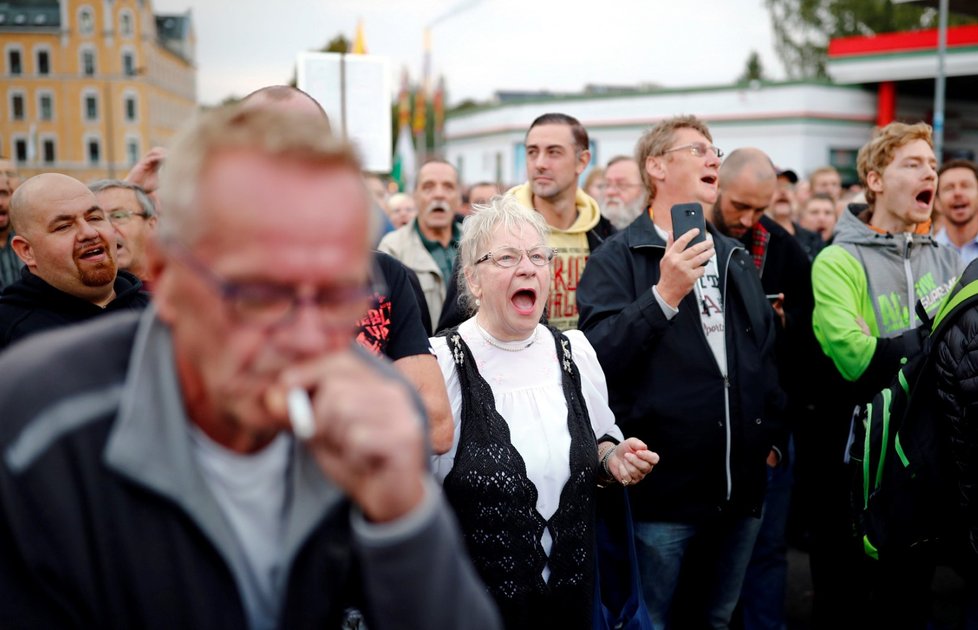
x: 604, y: 461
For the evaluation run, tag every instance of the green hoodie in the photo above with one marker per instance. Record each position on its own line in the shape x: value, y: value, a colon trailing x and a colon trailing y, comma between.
x: 875, y: 278
x: 572, y: 254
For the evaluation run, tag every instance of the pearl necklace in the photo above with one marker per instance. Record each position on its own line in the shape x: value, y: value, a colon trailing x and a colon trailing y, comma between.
x: 503, y: 345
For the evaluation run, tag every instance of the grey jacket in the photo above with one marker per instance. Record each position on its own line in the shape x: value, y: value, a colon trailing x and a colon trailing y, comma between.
x: 106, y: 522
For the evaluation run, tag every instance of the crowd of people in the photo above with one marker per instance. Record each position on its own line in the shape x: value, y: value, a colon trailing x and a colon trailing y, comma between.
x: 481, y: 362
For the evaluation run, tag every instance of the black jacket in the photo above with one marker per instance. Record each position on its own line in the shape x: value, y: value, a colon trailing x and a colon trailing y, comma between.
x: 664, y: 383
x: 31, y: 305
x: 957, y: 395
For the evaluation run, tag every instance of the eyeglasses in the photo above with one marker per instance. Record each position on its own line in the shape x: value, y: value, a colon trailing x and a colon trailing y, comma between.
x: 268, y: 305
x: 699, y: 149
x: 507, y: 257
x: 121, y: 217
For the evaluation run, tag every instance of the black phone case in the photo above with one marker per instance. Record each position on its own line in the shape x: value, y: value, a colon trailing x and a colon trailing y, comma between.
x: 685, y: 217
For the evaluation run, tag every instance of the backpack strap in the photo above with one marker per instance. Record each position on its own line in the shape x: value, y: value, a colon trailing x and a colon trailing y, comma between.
x: 966, y: 294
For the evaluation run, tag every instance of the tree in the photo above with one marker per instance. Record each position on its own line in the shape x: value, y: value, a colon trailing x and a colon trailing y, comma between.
x: 803, y: 28
x: 338, y: 44
x: 754, y: 70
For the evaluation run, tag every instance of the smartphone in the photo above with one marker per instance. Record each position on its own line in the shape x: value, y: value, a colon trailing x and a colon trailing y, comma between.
x: 685, y: 217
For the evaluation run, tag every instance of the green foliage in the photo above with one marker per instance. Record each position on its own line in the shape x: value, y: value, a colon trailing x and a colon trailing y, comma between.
x: 754, y: 70
x: 803, y: 28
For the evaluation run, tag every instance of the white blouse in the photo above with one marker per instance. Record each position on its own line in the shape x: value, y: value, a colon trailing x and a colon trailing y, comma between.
x: 529, y: 395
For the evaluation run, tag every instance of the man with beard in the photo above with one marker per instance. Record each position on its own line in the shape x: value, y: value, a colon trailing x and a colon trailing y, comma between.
x: 67, y: 245
x: 747, y: 184
x: 957, y: 200
x: 10, y: 265
x: 624, y: 194
x: 428, y: 244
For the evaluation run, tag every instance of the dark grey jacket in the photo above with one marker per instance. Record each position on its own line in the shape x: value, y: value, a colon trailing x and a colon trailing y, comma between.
x: 105, y: 521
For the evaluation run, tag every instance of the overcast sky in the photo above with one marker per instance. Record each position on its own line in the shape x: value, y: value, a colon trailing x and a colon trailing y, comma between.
x: 485, y: 45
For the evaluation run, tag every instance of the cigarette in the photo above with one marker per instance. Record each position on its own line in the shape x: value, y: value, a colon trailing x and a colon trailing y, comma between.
x: 300, y: 413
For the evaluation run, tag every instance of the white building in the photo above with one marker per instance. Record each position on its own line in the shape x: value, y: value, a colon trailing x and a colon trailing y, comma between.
x: 801, y: 125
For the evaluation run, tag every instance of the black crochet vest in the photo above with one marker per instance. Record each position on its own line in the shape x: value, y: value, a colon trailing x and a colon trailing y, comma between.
x: 495, y: 504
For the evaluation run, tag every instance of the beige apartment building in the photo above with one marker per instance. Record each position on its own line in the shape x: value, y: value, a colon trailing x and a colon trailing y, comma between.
x: 90, y: 85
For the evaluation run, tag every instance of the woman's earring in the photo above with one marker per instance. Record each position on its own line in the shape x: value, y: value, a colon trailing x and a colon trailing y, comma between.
x: 478, y: 302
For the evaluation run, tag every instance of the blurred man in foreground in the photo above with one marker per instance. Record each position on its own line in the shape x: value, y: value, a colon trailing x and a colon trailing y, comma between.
x: 154, y: 482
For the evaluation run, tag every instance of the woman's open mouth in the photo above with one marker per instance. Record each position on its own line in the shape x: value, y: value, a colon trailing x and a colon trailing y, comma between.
x: 524, y: 300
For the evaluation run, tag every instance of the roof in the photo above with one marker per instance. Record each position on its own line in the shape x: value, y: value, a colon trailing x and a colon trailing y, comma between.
x: 30, y: 14
x: 174, y: 32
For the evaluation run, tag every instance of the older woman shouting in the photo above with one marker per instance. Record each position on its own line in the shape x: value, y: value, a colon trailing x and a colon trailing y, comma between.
x: 533, y: 431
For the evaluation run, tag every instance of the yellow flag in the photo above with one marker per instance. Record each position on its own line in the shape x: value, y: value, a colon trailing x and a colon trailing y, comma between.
x: 360, y: 42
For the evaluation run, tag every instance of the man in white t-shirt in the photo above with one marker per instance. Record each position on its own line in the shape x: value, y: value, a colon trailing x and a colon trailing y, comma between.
x: 686, y: 339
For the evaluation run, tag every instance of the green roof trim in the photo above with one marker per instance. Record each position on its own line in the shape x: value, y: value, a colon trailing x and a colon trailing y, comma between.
x: 566, y: 98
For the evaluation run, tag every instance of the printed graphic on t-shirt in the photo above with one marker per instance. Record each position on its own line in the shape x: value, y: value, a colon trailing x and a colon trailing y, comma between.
x: 373, y: 331
x: 710, y: 302
x: 568, y: 267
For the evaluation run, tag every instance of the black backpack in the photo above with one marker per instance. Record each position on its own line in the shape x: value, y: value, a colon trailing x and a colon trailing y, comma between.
x: 903, y: 499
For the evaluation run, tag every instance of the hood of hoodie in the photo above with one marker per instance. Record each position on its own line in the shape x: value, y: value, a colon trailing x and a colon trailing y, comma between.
x: 573, y: 251
x: 900, y: 269
x: 588, y: 211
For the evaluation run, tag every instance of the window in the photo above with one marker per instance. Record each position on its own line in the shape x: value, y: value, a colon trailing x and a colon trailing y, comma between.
x: 125, y: 23
x: 48, y: 151
x: 88, y: 62
x: 132, y: 151
x: 43, y: 62
x: 91, y: 107
x: 17, y: 111
x: 86, y: 23
x: 14, y: 63
x: 94, y: 150
x: 45, y: 106
x: 128, y: 63
x: 130, y: 108
x: 20, y: 150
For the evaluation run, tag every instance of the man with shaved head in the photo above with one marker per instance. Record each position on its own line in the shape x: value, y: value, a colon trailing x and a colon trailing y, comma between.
x: 747, y: 183
x: 67, y: 245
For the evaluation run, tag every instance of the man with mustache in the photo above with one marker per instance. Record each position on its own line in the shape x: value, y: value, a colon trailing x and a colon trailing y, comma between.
x: 624, y: 197
x: 428, y: 244
x: 67, y: 245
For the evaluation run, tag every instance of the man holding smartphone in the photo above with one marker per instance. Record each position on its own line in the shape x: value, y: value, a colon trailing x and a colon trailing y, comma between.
x: 686, y: 338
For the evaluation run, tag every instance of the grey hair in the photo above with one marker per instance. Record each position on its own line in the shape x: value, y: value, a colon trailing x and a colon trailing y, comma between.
x: 277, y: 134
x: 478, y: 229
x: 145, y: 203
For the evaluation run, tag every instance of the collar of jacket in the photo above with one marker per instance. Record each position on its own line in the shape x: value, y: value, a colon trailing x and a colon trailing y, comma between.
x: 151, y: 445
